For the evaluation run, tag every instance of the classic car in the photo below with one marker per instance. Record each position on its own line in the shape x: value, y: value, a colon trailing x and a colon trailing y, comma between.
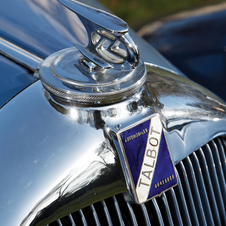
x: 97, y: 128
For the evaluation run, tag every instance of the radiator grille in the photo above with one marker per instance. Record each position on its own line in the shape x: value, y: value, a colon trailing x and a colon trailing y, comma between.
x: 199, y: 198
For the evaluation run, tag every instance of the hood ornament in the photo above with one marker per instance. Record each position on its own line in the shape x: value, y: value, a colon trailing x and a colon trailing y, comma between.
x: 109, y: 41
x: 106, y: 69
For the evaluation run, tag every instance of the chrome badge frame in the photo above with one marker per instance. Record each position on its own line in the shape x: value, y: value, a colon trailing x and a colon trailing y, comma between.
x: 147, y: 159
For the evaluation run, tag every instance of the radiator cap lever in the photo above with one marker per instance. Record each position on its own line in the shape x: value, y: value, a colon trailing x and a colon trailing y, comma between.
x: 106, y: 69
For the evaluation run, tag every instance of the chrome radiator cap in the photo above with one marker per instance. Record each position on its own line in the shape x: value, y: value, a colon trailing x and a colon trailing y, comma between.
x: 103, y: 69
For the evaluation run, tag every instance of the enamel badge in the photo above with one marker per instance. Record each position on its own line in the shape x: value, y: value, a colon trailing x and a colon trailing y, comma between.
x: 147, y: 158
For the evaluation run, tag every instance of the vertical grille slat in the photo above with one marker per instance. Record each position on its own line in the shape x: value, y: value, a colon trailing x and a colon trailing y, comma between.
x: 202, y: 189
x: 222, y: 153
x: 159, y: 214
x: 198, y: 199
x: 174, y: 207
x: 133, y: 216
x: 146, y: 216
x: 215, y: 182
x: 107, y: 214
x: 195, y: 191
x: 182, y: 204
x: 188, y: 194
x: 95, y: 215
x: 59, y: 222
x: 167, y: 210
x: 83, y: 218
x: 71, y: 219
x: 209, y: 186
x: 118, y: 211
x: 220, y: 174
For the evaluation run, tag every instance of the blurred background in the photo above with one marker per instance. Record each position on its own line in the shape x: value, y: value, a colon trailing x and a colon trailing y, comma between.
x: 191, y: 34
x: 137, y: 13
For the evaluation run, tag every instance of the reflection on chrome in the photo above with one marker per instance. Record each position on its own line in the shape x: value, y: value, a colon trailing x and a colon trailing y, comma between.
x: 191, y: 116
x: 74, y: 114
x: 88, y: 170
x: 104, y: 70
x: 19, y: 55
x: 109, y: 43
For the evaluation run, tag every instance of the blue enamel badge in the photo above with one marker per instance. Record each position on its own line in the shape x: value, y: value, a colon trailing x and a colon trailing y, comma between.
x: 147, y: 158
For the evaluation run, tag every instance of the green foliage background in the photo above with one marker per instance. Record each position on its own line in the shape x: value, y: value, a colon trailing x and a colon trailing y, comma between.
x: 139, y: 12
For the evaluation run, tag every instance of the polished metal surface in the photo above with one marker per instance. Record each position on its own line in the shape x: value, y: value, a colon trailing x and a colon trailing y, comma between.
x: 59, y: 158
x: 64, y: 75
x: 54, y: 160
x: 97, y: 16
x: 106, y: 69
x: 200, y: 175
x: 23, y: 26
x: 188, y: 111
x: 19, y: 55
x: 108, y: 37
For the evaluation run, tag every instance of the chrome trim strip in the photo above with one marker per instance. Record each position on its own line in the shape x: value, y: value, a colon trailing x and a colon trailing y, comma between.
x: 19, y: 55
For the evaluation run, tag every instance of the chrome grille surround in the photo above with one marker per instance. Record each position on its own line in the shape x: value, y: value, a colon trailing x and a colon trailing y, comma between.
x: 199, y: 198
x: 191, y: 116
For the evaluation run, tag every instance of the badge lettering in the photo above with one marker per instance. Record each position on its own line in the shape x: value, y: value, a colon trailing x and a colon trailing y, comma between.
x: 151, y: 153
x: 136, y: 135
x: 164, y: 181
x: 148, y: 159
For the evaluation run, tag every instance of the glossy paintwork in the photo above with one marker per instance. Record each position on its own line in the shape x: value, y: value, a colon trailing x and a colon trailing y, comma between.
x: 58, y: 158
x: 194, y: 41
x: 40, y: 30
x: 13, y: 79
